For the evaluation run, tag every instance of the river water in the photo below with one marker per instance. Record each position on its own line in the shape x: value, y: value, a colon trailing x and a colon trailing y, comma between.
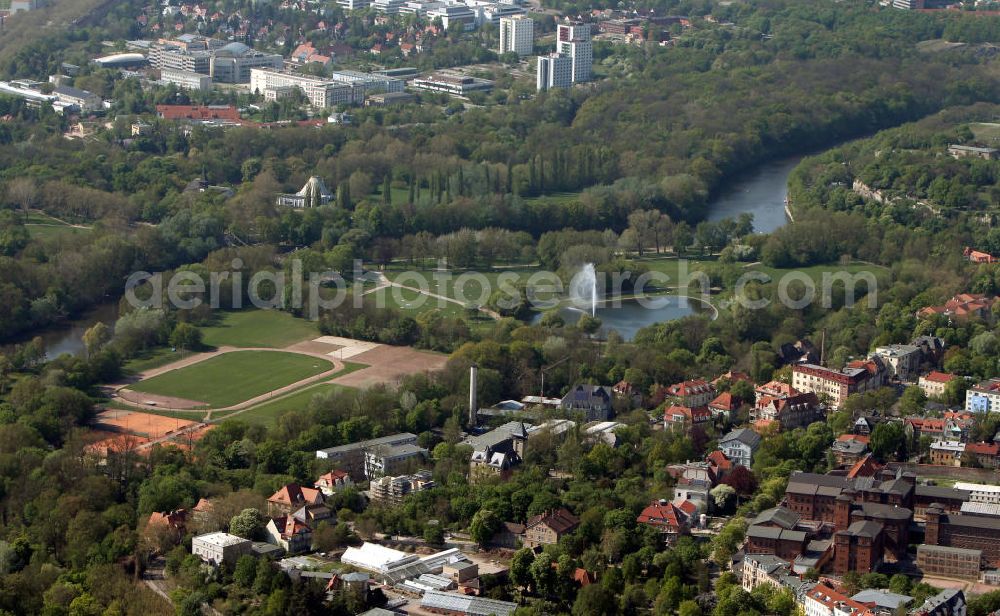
x: 68, y: 338
x: 760, y: 192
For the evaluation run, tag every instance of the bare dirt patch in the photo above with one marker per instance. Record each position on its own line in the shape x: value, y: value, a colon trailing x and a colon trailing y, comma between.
x: 159, y: 401
x: 388, y: 364
x: 141, y: 424
x: 313, y: 347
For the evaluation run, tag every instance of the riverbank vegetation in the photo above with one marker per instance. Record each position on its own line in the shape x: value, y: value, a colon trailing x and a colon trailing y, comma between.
x: 663, y: 137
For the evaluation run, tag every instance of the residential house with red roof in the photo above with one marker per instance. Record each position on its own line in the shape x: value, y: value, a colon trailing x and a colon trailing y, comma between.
x: 172, y: 524
x: 692, y: 393
x: 292, y: 497
x: 787, y: 412
x: 865, y: 467
x: 328, y: 483
x: 725, y: 405
x: 682, y: 417
x: 978, y: 256
x: 774, y: 389
x: 985, y: 454
x: 719, y: 464
x: 962, y: 306
x: 289, y: 533
x: 934, y: 383
x: 624, y: 390
x: 665, y: 517
x: 823, y: 600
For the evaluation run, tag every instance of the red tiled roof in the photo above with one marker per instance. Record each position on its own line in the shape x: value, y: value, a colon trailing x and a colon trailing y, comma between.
x: 689, y: 388
x: 853, y: 437
x: 725, y: 401
x: 665, y: 516
x: 697, y: 414
x: 939, y: 377
x: 294, y: 494
x: 688, y: 507
x: 865, y: 467
x: 171, y: 519
x: 983, y: 449
x: 288, y: 526
x: 719, y: 460
x: 583, y: 577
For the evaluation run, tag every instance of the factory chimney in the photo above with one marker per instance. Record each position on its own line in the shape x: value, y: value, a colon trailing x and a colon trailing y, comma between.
x: 473, y: 390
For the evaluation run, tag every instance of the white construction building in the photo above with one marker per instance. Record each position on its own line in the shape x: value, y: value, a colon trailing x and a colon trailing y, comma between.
x: 517, y: 34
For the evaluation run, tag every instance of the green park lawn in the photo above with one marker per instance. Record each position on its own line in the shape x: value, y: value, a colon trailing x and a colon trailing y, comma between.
x: 258, y: 328
x: 45, y: 227
x: 267, y: 413
x: 154, y: 358
x: 234, y: 377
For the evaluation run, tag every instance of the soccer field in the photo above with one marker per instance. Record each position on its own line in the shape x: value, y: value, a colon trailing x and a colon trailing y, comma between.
x: 234, y: 377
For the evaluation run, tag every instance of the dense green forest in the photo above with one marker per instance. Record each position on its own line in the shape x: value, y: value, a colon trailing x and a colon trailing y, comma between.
x: 664, y: 134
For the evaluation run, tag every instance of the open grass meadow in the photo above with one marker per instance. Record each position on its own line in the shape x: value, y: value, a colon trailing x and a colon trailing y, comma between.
x: 268, y: 413
x: 154, y: 358
x: 234, y: 377
x: 258, y: 328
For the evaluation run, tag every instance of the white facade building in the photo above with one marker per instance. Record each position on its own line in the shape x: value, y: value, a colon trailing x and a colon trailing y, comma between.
x: 353, y: 5
x: 517, y: 34
x: 216, y: 548
x: 454, y: 13
x: 366, y: 83
x: 186, y: 79
x: 901, y: 360
x: 574, y: 42
x: 980, y: 493
x: 984, y: 397
x: 322, y: 93
x: 553, y: 71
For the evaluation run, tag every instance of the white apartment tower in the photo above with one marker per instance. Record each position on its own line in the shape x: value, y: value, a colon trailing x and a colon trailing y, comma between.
x: 554, y: 71
x: 517, y: 34
x: 574, y: 42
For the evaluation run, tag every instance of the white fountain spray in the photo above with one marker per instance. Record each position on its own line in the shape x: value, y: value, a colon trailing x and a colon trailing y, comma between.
x: 583, y: 288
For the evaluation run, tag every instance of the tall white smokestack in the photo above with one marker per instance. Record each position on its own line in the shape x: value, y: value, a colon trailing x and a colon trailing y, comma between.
x: 473, y: 389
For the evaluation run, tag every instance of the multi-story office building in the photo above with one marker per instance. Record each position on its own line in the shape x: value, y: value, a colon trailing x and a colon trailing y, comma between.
x: 186, y: 79
x: 353, y: 5
x: 322, y: 93
x: 166, y: 56
x: 517, y: 34
x: 856, y: 377
x: 366, y: 83
x: 228, y: 63
x: 554, y: 71
x: 574, y: 42
x: 389, y: 7
x: 233, y: 63
x: 453, y: 13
